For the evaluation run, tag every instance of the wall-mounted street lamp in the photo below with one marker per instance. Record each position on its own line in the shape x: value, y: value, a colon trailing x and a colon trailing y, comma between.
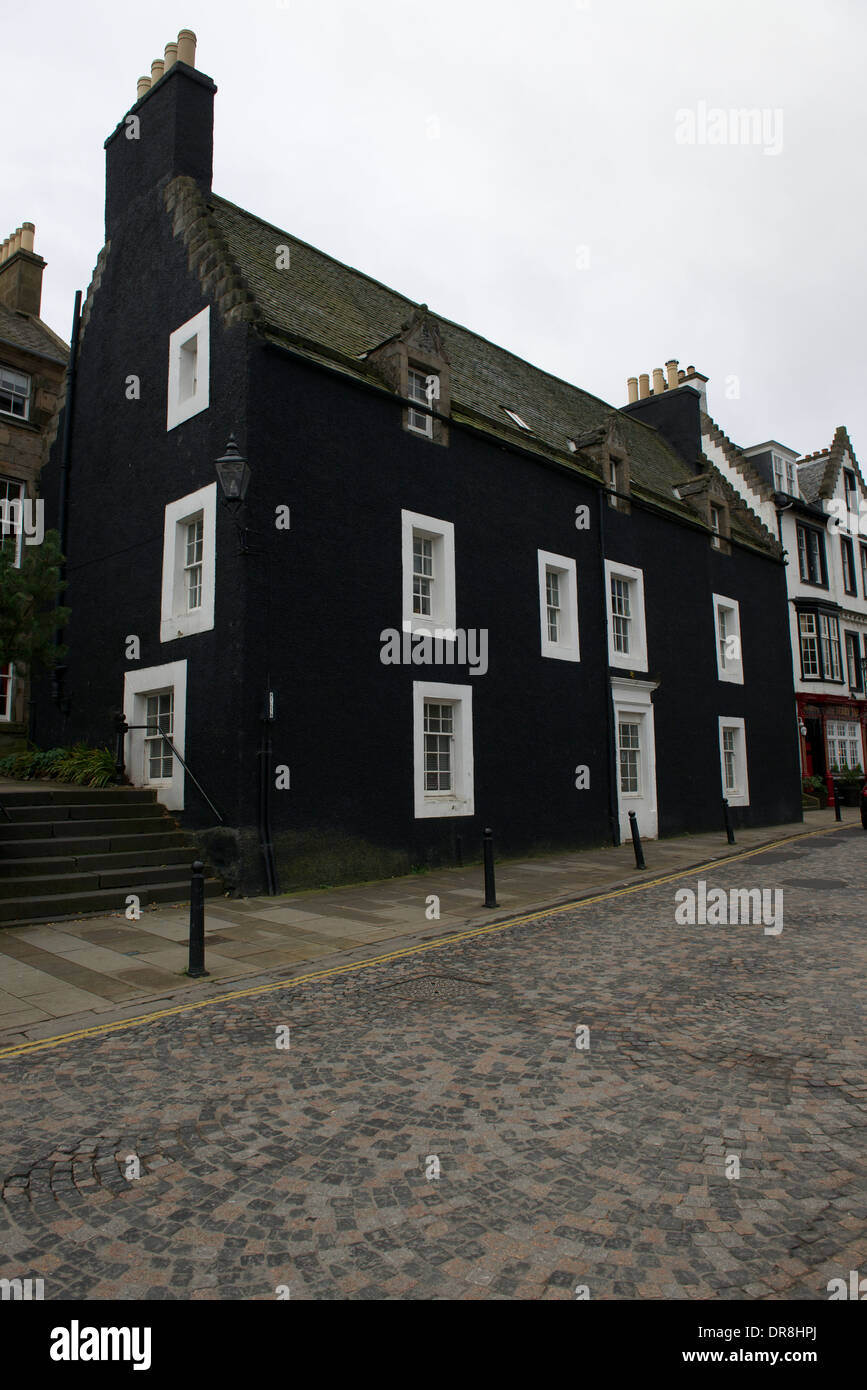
x: 233, y: 474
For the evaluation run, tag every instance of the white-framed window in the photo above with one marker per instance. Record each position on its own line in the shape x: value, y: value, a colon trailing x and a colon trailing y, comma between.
x: 155, y: 702
x: 159, y: 720
x: 629, y: 756
x: 791, y: 479
x: 558, y: 606
x: 195, y: 530
x: 809, y: 646
x: 733, y: 761
x: 11, y: 520
x: 847, y: 556
x: 715, y: 526
x: 727, y: 630
x: 853, y: 661
x: 189, y: 564
x: 442, y: 749
x: 7, y: 690
x: 844, y: 743
x: 851, y: 489
x: 829, y: 636
x: 627, y: 630
x: 428, y: 552
x: 14, y: 393
x: 423, y: 387
x: 189, y: 369
x: 779, y: 472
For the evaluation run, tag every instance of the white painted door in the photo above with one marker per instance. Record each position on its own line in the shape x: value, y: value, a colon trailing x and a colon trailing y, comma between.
x: 635, y: 756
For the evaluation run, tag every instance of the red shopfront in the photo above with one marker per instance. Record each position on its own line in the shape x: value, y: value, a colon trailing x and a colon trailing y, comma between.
x: 832, y: 731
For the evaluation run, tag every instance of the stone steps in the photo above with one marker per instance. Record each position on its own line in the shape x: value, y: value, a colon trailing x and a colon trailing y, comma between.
x: 67, y: 851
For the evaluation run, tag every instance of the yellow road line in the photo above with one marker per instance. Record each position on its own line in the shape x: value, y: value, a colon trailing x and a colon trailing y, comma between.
x: 99, y: 1029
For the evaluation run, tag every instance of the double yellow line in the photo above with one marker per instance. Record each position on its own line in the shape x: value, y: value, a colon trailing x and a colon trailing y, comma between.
x: 99, y: 1029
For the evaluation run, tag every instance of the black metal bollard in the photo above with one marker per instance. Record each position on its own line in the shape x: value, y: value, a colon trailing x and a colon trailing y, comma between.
x: 196, y: 965
x: 488, y: 856
x: 636, y: 841
x: 838, y: 815
x: 730, y: 834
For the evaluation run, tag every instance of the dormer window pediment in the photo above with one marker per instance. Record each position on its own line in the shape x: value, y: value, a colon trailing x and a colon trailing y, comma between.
x: 414, y: 364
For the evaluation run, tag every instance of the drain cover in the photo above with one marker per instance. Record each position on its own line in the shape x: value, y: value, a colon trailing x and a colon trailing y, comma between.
x: 437, y: 987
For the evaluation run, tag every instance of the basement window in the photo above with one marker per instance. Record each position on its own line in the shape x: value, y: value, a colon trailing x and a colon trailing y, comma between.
x: 189, y: 366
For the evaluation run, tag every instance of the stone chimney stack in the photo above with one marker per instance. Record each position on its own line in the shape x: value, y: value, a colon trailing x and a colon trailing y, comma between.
x: 21, y: 272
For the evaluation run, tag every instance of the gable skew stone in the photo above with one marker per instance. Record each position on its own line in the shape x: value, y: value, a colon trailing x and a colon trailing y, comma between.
x: 208, y: 252
x: 737, y: 460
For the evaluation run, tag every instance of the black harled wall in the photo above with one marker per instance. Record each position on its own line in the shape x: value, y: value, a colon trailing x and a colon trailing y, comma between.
x: 126, y: 467
x: 337, y: 455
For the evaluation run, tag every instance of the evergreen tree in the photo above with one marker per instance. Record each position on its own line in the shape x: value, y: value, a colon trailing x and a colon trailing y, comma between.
x: 28, y: 617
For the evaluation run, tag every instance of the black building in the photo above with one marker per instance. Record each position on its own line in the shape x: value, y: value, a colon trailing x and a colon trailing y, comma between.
x: 606, y: 619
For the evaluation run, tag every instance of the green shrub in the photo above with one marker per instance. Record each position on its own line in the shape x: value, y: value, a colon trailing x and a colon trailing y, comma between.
x: 18, y: 764
x: 83, y: 766
x: 86, y: 767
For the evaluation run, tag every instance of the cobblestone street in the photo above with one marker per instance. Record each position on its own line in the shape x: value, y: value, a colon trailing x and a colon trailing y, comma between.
x: 433, y: 1131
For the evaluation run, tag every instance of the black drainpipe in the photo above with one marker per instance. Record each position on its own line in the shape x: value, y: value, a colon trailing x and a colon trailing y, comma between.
x: 58, y: 679
x: 613, y: 814
x: 265, y: 773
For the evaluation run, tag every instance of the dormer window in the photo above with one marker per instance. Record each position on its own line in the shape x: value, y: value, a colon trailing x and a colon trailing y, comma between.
x: 14, y: 393
x: 791, y: 479
x: 720, y: 527
x: 617, y: 481
x: 414, y: 365
x: 422, y: 387
x: 779, y: 472
x: 522, y: 424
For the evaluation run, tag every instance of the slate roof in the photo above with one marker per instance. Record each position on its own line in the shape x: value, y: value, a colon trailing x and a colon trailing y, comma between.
x: 818, y: 480
x: 337, y: 314
x: 810, y: 476
x: 30, y: 334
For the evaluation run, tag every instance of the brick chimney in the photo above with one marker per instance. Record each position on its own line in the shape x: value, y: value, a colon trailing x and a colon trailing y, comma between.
x: 168, y: 131
x: 21, y: 272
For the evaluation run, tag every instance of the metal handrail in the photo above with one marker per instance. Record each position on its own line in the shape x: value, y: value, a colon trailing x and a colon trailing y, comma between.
x: 123, y: 729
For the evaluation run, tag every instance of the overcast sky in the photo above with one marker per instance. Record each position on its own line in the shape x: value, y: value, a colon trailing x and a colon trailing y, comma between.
x: 549, y: 174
